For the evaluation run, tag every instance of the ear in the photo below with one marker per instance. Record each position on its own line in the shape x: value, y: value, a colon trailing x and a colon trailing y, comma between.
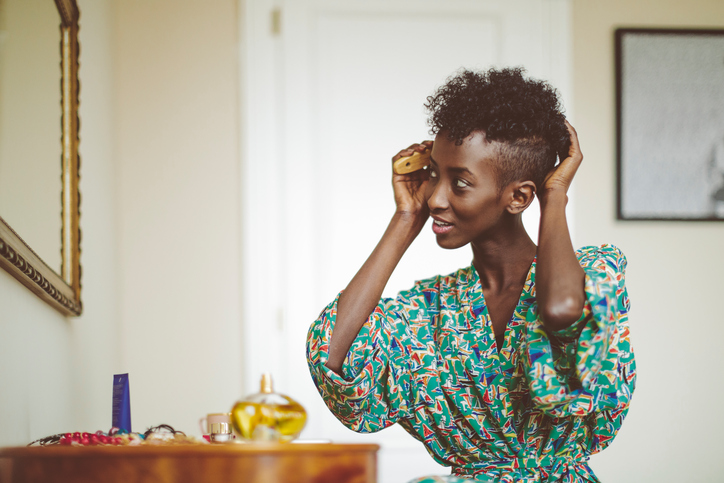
x: 522, y: 194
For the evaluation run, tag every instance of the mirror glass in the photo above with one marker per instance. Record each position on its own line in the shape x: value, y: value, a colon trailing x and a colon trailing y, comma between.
x: 30, y: 125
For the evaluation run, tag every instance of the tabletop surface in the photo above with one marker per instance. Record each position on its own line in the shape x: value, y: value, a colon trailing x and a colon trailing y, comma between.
x: 222, y: 449
x: 190, y: 463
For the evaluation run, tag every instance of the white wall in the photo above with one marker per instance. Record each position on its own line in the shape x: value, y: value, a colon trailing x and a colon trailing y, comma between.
x: 95, y: 344
x: 55, y: 373
x: 160, y: 221
x: 673, y: 430
x: 176, y: 65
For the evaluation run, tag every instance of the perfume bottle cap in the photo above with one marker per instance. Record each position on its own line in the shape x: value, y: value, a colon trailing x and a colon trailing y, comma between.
x: 266, y: 383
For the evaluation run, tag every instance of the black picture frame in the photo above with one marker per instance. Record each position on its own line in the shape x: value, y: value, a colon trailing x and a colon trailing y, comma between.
x: 670, y: 124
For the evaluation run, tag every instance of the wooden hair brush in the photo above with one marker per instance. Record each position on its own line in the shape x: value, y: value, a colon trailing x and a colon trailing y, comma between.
x: 409, y: 164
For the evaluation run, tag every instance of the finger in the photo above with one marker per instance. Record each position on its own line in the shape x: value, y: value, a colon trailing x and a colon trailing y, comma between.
x: 575, y: 148
x: 413, y: 181
x: 568, y: 166
x: 412, y: 149
x: 420, y: 175
x: 567, y: 169
x: 405, y: 152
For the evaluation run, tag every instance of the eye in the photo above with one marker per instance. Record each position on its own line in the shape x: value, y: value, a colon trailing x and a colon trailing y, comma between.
x: 433, y: 173
x: 459, y: 183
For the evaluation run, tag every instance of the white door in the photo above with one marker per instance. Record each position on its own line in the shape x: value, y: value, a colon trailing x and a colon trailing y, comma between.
x: 331, y: 91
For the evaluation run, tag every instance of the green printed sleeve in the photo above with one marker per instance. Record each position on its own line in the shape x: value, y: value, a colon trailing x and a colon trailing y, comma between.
x: 373, y: 391
x: 589, y: 367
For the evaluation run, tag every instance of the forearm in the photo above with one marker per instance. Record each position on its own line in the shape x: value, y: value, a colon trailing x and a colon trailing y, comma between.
x: 363, y: 293
x: 559, y: 277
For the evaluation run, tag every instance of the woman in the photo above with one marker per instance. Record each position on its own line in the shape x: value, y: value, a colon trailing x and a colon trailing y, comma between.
x: 518, y: 367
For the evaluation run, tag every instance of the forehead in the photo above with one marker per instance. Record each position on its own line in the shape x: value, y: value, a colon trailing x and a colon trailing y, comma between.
x: 475, y: 154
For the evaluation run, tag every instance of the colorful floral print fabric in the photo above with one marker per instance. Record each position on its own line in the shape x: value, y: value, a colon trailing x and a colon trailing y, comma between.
x: 532, y: 412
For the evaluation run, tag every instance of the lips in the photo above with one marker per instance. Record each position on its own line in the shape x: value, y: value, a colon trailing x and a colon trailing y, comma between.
x: 441, y: 227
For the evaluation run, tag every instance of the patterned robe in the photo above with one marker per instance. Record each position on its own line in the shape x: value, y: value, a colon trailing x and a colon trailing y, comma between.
x: 532, y: 412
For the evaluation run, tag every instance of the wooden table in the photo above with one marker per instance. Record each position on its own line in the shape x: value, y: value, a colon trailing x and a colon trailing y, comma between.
x: 228, y: 463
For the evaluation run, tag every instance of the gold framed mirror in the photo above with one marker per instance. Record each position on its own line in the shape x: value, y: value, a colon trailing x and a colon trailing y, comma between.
x: 60, y: 287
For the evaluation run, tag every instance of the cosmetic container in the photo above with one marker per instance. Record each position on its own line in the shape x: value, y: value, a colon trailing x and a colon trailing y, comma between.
x: 268, y: 416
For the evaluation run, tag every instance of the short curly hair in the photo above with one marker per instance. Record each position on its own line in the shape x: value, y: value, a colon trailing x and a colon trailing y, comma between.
x: 524, y: 114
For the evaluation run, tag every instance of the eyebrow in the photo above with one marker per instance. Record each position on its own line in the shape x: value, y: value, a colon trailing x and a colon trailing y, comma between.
x: 456, y: 170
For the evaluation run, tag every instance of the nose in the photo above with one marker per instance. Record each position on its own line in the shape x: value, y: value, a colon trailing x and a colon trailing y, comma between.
x: 438, y: 199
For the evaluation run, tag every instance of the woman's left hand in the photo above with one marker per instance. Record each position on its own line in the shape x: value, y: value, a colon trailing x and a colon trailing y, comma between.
x: 559, y: 277
x: 559, y: 178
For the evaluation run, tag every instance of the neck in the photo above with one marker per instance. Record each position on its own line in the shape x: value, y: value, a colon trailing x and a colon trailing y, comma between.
x: 503, y: 257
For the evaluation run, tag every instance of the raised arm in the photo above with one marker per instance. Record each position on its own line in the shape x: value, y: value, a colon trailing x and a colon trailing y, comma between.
x: 559, y: 276
x: 364, y: 291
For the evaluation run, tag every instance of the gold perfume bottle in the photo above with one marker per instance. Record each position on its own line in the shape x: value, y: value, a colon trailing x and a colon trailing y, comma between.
x: 268, y: 416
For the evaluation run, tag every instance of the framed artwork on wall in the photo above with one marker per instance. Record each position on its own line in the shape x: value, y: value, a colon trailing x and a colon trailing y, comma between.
x: 670, y: 124
x: 39, y: 90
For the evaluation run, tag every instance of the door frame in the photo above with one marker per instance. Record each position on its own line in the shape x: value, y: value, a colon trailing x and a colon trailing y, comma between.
x: 261, y: 99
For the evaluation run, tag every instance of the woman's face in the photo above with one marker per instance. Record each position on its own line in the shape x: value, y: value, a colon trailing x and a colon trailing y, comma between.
x: 462, y: 192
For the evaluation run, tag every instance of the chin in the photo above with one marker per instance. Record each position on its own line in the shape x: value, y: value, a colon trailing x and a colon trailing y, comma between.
x: 450, y: 244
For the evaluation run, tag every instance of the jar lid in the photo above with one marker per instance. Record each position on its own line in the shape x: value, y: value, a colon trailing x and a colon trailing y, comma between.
x: 219, y: 428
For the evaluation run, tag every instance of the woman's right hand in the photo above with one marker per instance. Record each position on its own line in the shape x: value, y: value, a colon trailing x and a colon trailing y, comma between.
x: 363, y: 293
x: 410, y: 188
